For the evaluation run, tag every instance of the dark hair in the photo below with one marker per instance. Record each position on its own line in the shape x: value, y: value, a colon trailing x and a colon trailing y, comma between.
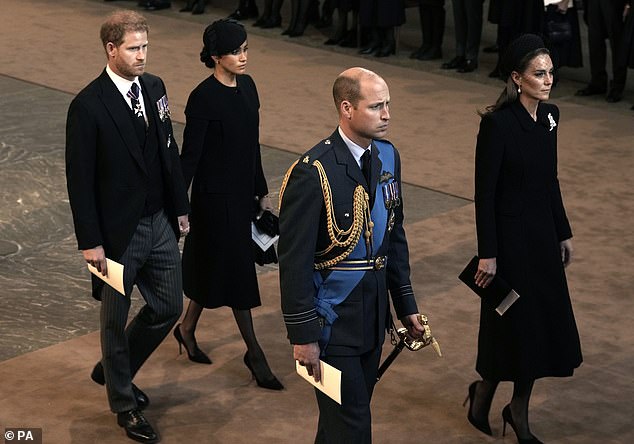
x: 509, y: 93
x: 118, y: 23
x: 346, y: 88
x: 221, y: 37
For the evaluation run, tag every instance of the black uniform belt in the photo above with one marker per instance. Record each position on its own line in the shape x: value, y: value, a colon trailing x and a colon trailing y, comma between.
x: 375, y: 263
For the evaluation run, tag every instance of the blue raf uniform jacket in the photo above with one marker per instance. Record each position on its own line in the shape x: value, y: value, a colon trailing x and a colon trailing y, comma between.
x: 364, y: 314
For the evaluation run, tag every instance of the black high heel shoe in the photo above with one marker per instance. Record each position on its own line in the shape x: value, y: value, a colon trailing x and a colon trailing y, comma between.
x: 508, y: 417
x: 196, y: 355
x: 271, y: 384
x: 483, y: 426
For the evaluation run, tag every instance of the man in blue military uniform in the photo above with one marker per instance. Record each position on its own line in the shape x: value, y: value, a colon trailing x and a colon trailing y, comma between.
x: 342, y: 247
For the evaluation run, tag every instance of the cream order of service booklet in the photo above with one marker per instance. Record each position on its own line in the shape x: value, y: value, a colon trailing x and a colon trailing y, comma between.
x: 330, y: 383
x: 114, y: 277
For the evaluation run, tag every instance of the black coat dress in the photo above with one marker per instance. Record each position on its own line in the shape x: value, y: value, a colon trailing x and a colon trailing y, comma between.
x: 521, y: 220
x: 221, y: 153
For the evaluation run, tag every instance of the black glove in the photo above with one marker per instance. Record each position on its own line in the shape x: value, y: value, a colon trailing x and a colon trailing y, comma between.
x: 268, y: 223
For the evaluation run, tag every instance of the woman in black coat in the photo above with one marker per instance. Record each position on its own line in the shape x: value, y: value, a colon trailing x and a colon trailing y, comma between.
x: 221, y: 154
x: 524, y: 235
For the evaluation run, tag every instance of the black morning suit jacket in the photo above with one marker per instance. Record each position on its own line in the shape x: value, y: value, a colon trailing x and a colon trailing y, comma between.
x: 303, y: 230
x: 106, y: 176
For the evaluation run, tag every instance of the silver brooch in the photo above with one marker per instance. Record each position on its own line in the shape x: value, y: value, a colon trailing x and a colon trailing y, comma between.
x: 551, y: 121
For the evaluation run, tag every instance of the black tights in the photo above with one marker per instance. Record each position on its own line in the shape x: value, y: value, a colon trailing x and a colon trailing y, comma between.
x: 522, y: 390
x: 245, y: 325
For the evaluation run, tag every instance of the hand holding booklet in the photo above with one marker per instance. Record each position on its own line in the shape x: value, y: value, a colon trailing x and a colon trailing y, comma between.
x: 498, y: 293
x: 330, y: 383
x: 114, y: 277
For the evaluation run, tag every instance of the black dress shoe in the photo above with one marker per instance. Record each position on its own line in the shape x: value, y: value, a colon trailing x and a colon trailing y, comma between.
x: 350, y: 40
x: 371, y: 48
x: 188, y: 7
x: 590, y: 90
x: 271, y: 22
x: 614, y: 96
x: 417, y: 53
x: 386, y: 50
x: 469, y: 65
x: 454, y: 63
x: 157, y: 5
x: 136, y: 426
x: 333, y: 41
x: 296, y: 33
x: 431, y: 54
x: 199, y: 7
x: 237, y: 15
x: 142, y: 400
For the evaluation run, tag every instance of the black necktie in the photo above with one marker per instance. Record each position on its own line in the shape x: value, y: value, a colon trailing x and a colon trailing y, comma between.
x: 366, y: 166
x: 133, y: 94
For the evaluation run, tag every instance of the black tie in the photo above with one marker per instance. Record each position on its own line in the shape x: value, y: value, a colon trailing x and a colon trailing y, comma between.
x: 133, y: 94
x: 366, y: 166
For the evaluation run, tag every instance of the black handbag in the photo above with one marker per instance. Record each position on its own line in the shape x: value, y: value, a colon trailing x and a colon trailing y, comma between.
x: 558, y: 27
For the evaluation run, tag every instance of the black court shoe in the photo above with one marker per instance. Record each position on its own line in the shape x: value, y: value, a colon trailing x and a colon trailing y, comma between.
x: 482, y: 425
x: 271, y: 383
x: 508, y: 417
x: 195, y: 355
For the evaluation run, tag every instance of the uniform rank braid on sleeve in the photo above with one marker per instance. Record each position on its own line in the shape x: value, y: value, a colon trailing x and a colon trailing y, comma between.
x: 300, y: 318
x: 402, y: 291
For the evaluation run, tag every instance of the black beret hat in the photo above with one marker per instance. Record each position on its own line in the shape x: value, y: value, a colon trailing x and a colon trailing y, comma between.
x: 223, y: 36
x: 517, y: 50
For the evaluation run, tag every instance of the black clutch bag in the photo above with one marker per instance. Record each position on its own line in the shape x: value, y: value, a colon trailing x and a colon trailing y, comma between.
x: 494, y: 293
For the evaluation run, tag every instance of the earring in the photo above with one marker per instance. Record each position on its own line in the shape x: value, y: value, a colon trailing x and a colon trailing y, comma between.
x: 519, y: 90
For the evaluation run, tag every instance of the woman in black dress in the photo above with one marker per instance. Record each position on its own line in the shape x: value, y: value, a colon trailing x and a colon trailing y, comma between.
x: 221, y: 154
x: 524, y: 235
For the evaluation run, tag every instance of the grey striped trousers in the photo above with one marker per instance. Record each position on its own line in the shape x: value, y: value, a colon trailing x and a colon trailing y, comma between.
x: 152, y: 262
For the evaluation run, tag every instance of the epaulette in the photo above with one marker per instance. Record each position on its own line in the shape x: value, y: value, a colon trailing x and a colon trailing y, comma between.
x: 316, y: 152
